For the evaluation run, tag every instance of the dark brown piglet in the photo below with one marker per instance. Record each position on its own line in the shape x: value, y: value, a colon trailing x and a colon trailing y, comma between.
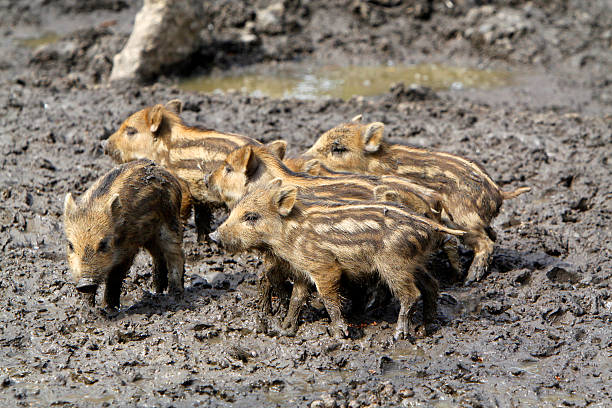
x: 135, y: 205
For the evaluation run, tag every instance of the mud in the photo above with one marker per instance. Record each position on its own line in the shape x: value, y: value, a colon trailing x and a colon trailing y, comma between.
x: 534, y: 332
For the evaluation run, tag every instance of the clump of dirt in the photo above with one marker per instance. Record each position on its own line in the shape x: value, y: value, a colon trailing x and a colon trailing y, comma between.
x: 535, y: 331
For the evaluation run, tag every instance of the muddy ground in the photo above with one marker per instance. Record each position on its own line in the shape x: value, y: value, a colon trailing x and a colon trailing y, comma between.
x: 535, y: 332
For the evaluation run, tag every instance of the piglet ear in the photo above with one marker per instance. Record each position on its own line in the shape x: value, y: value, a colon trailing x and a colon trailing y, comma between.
x: 312, y: 167
x: 285, y: 199
x: 391, y: 196
x: 114, y: 206
x: 252, y: 164
x: 156, y: 116
x: 69, y: 205
x: 236, y: 158
x: 243, y: 160
x: 372, y: 136
x: 357, y: 119
x: 175, y: 106
x: 240, y: 161
x: 277, y: 148
x: 382, y: 193
x: 275, y: 183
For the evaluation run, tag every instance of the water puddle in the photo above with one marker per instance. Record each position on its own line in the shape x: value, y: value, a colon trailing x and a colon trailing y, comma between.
x: 94, y: 400
x: 410, y: 352
x: 531, y: 367
x: 46, y: 398
x: 44, y: 39
x: 307, y: 82
x: 560, y: 398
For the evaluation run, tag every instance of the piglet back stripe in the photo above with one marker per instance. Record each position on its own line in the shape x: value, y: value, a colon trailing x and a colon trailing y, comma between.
x: 107, y: 182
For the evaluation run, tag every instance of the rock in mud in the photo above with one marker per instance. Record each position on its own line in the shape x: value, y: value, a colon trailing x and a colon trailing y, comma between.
x: 165, y: 33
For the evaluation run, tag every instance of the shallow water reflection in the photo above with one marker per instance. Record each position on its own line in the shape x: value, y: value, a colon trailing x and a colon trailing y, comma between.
x: 44, y: 39
x: 307, y: 82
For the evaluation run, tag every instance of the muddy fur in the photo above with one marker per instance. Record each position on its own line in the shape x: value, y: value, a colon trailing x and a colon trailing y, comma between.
x: 135, y: 205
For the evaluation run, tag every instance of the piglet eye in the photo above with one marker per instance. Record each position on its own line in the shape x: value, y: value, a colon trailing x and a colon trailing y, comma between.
x: 228, y: 168
x: 104, y: 245
x: 70, y: 247
x: 250, y: 217
x: 130, y: 131
x: 337, y: 148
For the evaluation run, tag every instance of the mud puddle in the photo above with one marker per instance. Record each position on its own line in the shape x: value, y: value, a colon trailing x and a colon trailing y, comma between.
x: 309, y: 82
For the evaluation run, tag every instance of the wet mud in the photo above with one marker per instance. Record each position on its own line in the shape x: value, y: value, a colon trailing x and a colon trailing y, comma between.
x: 535, y: 332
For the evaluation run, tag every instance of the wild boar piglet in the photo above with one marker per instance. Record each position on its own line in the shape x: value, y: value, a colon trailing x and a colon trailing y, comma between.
x: 322, y: 240
x: 135, y: 205
x: 468, y: 193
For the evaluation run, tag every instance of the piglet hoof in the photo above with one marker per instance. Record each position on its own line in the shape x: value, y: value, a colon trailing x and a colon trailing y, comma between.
x: 203, y: 238
x: 177, y: 292
x: 403, y: 334
x: 469, y: 280
x: 289, y: 332
x: 89, y: 299
x: 178, y: 295
x: 339, y: 331
x: 426, y: 330
x: 261, y: 324
x: 475, y: 274
x: 110, y: 312
x: 289, y: 328
x: 431, y: 328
